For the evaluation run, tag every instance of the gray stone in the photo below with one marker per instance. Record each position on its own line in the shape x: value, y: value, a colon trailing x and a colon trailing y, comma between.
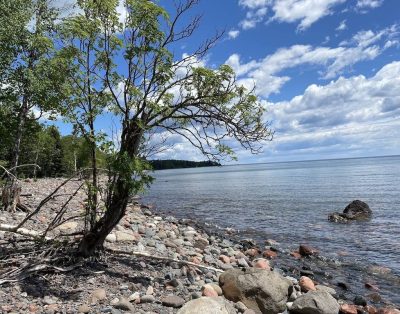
x: 207, y: 305
x: 124, y: 305
x: 147, y: 299
x: 173, y: 301
x: 315, y: 302
x: 327, y: 289
x: 261, y: 290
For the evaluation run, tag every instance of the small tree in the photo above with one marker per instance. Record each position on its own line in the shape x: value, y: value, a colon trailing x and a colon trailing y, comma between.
x: 154, y: 91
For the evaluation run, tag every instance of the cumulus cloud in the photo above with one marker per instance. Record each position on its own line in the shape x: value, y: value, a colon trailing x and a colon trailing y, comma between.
x: 303, y: 12
x: 345, y: 116
x: 266, y: 73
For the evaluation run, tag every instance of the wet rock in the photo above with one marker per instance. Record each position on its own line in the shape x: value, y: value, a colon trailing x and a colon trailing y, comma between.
x: 306, y: 284
x: 360, y: 300
x: 306, y: 250
x: 207, y: 305
x: 315, y: 302
x: 295, y: 254
x: 388, y: 310
x: 371, y: 286
x: 374, y: 297
x: 356, y: 210
x: 173, y: 301
x: 270, y: 254
x: 261, y: 290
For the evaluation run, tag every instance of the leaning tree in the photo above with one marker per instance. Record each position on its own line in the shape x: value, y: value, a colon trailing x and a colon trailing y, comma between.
x: 139, y: 79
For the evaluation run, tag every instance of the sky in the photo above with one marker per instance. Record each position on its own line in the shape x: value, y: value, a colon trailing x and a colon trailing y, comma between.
x: 327, y: 71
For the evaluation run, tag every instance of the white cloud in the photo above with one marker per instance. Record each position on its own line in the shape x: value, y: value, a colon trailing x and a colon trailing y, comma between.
x: 344, y: 116
x: 266, y: 73
x: 342, y: 26
x: 304, y: 12
x: 369, y: 4
x: 234, y: 33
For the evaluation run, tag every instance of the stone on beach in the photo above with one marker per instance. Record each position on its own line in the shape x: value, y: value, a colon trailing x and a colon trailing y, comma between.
x: 207, y: 305
x: 315, y: 302
x: 261, y: 290
x: 306, y: 284
x: 306, y: 250
x: 173, y: 301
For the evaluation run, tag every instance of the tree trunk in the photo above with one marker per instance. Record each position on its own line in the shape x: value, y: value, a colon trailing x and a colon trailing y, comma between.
x: 119, y: 199
x: 11, y: 196
x: 18, y: 136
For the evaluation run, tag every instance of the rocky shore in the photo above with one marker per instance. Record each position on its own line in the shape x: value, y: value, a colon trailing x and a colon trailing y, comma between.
x: 164, y: 265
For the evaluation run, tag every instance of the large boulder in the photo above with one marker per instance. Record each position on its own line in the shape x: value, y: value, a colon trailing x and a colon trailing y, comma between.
x: 356, y: 210
x: 315, y: 302
x: 208, y: 305
x: 261, y: 290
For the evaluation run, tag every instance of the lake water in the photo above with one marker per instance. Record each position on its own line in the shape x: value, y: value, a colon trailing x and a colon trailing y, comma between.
x: 290, y: 202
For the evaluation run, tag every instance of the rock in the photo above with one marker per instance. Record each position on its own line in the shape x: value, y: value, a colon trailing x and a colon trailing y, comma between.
x: 261, y: 264
x: 150, y: 290
x: 306, y: 250
x: 124, y: 305
x: 270, y: 254
x: 48, y: 300
x: 98, y: 295
x: 173, y: 301
x: 360, y: 300
x: 348, y: 309
x: 260, y: 290
x: 84, y: 308
x: 371, y: 286
x: 388, y: 310
x: 207, y: 305
x: 370, y: 309
x: 356, y: 210
x: 327, y: 289
x: 111, y: 238
x: 225, y: 259
x: 242, y: 262
x: 315, y: 302
x: 374, y: 297
x: 71, y: 225
x: 295, y: 254
x: 201, y: 243
x: 147, y: 299
x: 122, y: 236
x: 306, y: 284
x: 240, y: 307
x: 209, y: 291
x: 252, y: 252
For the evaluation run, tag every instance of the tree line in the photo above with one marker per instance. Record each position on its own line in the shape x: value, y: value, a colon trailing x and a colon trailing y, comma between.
x: 93, y: 60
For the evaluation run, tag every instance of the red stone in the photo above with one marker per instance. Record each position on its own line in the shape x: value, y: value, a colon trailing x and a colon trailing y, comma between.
x: 306, y: 250
x: 262, y: 264
x: 371, y: 286
x: 209, y: 292
x: 306, y: 284
x: 195, y: 260
x: 225, y: 259
x: 295, y: 255
x: 270, y: 254
x: 252, y: 252
x: 370, y: 309
x: 348, y: 309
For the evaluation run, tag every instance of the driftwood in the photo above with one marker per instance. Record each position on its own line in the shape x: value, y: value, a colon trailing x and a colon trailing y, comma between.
x: 163, y: 258
x: 23, y: 231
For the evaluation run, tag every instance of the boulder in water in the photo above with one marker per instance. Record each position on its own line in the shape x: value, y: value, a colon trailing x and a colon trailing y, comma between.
x: 356, y: 210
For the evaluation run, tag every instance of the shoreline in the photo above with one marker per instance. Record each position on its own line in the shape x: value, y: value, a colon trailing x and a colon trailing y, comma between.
x: 145, y: 283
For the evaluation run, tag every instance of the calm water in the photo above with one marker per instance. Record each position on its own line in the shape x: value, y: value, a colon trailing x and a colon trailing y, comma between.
x: 290, y: 202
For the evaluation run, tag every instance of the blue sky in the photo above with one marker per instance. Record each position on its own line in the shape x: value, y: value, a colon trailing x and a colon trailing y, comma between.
x: 328, y: 72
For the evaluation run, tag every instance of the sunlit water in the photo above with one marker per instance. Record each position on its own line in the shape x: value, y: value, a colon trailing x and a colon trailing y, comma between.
x: 290, y: 202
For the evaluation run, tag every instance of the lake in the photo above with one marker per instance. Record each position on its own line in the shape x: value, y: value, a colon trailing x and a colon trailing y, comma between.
x: 290, y: 202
